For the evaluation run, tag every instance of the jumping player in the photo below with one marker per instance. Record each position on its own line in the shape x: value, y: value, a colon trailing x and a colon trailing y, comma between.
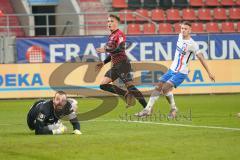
x: 121, y: 66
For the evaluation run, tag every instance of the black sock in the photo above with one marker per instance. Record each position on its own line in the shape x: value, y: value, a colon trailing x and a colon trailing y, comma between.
x: 138, y: 95
x: 113, y: 89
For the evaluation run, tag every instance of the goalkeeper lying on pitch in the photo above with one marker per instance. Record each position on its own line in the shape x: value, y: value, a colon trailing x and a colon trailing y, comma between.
x: 44, y: 115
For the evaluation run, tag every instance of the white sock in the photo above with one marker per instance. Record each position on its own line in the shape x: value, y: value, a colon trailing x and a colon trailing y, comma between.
x: 154, y: 96
x: 171, y: 101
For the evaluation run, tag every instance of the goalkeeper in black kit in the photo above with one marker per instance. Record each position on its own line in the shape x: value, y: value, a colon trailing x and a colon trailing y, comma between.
x: 44, y: 116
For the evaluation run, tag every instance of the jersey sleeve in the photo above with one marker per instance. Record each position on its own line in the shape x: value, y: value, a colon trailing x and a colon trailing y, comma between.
x: 40, y: 125
x: 195, y: 49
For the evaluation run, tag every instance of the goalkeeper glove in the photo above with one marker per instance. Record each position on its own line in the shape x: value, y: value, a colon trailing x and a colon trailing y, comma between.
x: 60, y: 130
x: 55, y: 125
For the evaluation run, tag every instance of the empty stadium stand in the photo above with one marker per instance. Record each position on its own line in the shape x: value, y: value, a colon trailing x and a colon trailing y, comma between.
x: 227, y: 2
x: 189, y: 14
x: 173, y: 14
x: 165, y: 28
x: 238, y: 26
x: 212, y: 27
x: 9, y: 20
x: 234, y: 13
x: 196, y: 3
x: 219, y: 14
x: 142, y: 12
x: 197, y: 27
x: 149, y: 28
x: 133, y: 28
x: 141, y: 15
x: 95, y: 23
x: 205, y: 15
x: 126, y: 15
x: 212, y: 3
x: 119, y: 4
x: 177, y: 27
x: 157, y: 14
x: 228, y: 27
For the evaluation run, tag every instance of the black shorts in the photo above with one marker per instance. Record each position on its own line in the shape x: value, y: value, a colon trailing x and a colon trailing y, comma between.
x: 120, y: 70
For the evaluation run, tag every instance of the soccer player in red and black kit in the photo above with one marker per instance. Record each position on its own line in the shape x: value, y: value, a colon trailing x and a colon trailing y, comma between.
x: 121, y: 66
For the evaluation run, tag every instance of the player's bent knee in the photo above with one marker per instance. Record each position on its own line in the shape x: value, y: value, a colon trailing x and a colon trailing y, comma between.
x: 159, y: 86
x: 103, y: 86
x: 166, y: 88
x: 159, y: 89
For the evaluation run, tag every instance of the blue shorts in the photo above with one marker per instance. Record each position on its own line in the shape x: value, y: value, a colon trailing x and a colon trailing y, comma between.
x: 176, y: 78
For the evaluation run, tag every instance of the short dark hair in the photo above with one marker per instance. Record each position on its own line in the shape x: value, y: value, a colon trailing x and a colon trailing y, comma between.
x: 61, y: 93
x: 187, y: 23
x: 114, y: 16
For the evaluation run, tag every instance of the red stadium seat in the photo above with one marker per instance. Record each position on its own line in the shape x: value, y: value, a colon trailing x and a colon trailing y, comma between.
x: 227, y: 2
x: 234, y: 13
x: 197, y: 27
x: 204, y: 14
x: 177, y: 27
x: 157, y: 15
x: 14, y: 23
x: 219, y: 14
x: 1, y: 13
x: 212, y: 3
x: 196, y: 3
x: 237, y: 2
x: 212, y: 27
x: 119, y: 4
x: 142, y: 12
x: 173, y: 15
x: 228, y: 27
x: 188, y: 14
x: 133, y: 29
x: 149, y: 28
x: 238, y: 26
x: 165, y: 28
x: 126, y: 14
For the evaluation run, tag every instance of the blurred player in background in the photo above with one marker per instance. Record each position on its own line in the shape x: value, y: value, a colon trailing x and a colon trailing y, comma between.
x: 178, y: 71
x: 121, y: 66
x: 44, y: 116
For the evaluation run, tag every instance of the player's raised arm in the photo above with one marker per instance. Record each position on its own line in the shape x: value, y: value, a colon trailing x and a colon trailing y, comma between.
x: 203, y: 62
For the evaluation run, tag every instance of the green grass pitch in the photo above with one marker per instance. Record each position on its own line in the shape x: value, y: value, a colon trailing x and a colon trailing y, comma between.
x: 213, y: 132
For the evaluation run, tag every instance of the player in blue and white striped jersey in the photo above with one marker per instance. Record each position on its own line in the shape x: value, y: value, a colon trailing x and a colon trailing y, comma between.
x: 178, y: 71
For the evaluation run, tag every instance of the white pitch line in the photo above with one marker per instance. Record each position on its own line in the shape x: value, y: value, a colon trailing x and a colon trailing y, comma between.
x: 172, y: 124
x: 154, y: 123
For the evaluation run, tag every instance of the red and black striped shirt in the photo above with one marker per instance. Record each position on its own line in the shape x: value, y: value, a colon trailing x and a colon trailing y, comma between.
x: 115, y: 40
